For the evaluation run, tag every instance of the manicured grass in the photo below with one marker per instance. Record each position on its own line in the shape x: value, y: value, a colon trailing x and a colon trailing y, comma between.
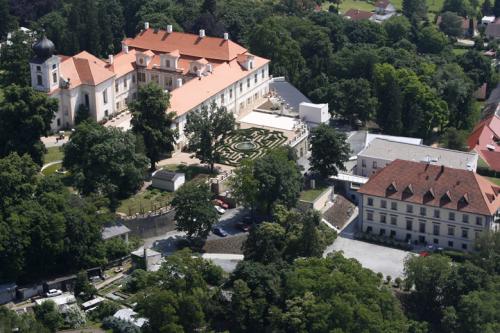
x: 53, y: 154
x: 51, y: 169
x: 312, y: 194
x: 433, y: 5
x: 143, y: 202
x: 494, y: 180
x: 459, y: 51
x: 191, y: 171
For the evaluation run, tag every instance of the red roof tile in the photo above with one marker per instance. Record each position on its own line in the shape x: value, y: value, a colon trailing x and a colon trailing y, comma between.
x: 357, y: 15
x: 436, y: 186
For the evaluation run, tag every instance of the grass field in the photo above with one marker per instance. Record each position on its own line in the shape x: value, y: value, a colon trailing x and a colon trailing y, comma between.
x: 51, y: 169
x: 312, y: 194
x: 367, y: 5
x: 53, y: 154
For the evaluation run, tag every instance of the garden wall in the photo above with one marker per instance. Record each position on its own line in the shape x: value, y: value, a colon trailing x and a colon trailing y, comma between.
x: 150, y: 226
x: 319, y: 202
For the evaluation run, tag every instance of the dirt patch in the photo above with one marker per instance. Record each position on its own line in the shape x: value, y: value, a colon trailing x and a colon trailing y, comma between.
x: 231, y: 245
x: 340, y: 212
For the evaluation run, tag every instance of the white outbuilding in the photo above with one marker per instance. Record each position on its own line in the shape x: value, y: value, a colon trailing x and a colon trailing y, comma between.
x: 314, y: 114
x: 167, y: 180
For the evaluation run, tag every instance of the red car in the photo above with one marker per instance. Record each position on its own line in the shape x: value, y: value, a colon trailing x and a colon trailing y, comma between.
x: 221, y: 203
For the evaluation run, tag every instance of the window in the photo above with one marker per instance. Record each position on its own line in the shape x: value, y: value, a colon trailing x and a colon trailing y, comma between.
x: 383, y: 218
x: 464, y: 246
x: 141, y: 77
x: 87, y: 100
x: 451, y: 230
x: 465, y: 233
x: 54, y: 77
x: 409, y: 209
x: 409, y: 224
x: 167, y: 63
x: 39, y: 68
x: 383, y: 203
x: 117, y: 87
x: 58, y: 122
x: 451, y: 216
x: 117, y: 106
x: 263, y: 74
x: 106, y: 113
x: 423, y: 211
x: 255, y: 78
x: 369, y: 216
x: 248, y: 82
x: 435, y: 229
x: 450, y: 243
x: 393, y: 233
x: 479, y: 221
x: 230, y: 93
x: 374, y: 164
x: 363, y: 163
x: 369, y: 229
x: 394, y: 220
x: 39, y: 80
x: 370, y: 201
x: 125, y: 82
x: 155, y: 78
x: 421, y: 227
x: 408, y: 237
x: 465, y: 218
x: 105, y: 96
x: 250, y: 64
x: 133, y: 78
x: 394, y: 205
x: 435, y: 241
x: 477, y: 233
x: 382, y: 232
x: 436, y: 213
x: 241, y: 87
x: 141, y: 61
x: 222, y: 98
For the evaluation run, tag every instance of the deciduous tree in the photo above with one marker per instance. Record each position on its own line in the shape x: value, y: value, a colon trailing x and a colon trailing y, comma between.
x: 329, y: 151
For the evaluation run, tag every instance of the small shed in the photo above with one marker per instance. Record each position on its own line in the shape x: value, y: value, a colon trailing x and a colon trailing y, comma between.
x: 168, y: 180
x: 114, y: 231
x: 145, y: 258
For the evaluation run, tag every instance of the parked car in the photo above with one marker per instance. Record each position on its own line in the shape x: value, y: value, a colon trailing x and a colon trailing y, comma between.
x: 219, y: 210
x: 221, y: 203
x: 244, y: 226
x: 219, y: 232
x: 53, y: 293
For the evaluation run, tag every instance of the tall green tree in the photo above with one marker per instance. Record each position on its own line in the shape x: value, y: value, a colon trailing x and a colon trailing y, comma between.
x: 397, y: 28
x: 8, y: 21
x: 104, y: 160
x: 110, y: 18
x: 206, y: 130
x: 48, y: 314
x: 486, y: 8
x: 451, y: 24
x: 455, y: 139
x: 390, y: 99
x: 415, y: 9
x: 151, y: 120
x: 265, y: 243
x: 329, y: 151
x: 431, y: 40
x: 194, y: 211
x: 244, y: 187
x: 461, y: 7
x: 23, y: 110
x: 84, y: 290
x: 15, y: 60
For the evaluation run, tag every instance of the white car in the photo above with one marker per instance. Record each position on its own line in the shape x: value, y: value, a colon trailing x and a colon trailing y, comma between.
x: 53, y: 293
x: 219, y: 209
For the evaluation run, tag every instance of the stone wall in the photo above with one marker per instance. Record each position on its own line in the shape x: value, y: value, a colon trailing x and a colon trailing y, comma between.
x: 150, y: 226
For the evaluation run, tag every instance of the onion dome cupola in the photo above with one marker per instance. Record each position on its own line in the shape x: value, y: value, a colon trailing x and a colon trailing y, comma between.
x: 44, y: 48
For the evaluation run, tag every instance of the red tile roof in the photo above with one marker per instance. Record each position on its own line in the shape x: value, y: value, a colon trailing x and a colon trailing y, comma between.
x: 187, y: 44
x: 382, y: 4
x: 486, y: 134
x: 84, y: 68
x: 433, y: 185
x: 357, y: 15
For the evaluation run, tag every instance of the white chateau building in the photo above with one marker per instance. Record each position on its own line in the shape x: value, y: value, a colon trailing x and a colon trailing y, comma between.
x: 197, y: 70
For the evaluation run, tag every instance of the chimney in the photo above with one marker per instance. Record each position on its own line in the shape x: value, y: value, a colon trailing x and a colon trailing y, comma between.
x: 169, y: 28
x: 178, y: 82
x: 210, y: 68
x: 111, y: 59
x: 124, y: 47
x: 202, y: 33
x: 146, y: 25
x: 226, y: 36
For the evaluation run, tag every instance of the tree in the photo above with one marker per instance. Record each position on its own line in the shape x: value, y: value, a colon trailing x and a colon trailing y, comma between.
x: 415, y: 9
x: 461, y: 7
x: 265, y: 243
x: 84, y: 290
x: 23, y: 110
x: 397, y: 28
x: 194, y: 211
x: 476, y: 66
x: 103, y: 160
x: 455, y: 139
x: 48, y: 314
x: 10, y: 321
x: 15, y: 58
x: 451, y: 24
x: 244, y: 186
x: 8, y: 21
x: 151, y: 120
x: 329, y: 151
x: 431, y: 40
x: 390, y: 100
x: 486, y: 8
x: 206, y: 131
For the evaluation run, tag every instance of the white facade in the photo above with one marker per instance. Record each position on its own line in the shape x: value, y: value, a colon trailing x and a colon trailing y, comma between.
x: 171, y: 184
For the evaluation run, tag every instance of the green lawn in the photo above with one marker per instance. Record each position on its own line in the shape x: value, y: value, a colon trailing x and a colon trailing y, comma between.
x: 312, y: 194
x: 367, y: 5
x: 51, y: 169
x: 494, y: 180
x: 53, y: 154
x: 143, y: 202
x: 459, y: 51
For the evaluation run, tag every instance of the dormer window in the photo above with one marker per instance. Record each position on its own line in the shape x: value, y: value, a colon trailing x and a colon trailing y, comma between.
x: 141, y: 61
x: 39, y: 68
x: 429, y: 195
x: 446, y: 197
x: 392, y: 187
x: 167, y: 63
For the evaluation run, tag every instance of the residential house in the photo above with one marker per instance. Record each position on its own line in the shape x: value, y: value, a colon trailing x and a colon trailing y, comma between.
x: 485, y: 140
x: 381, y: 152
x: 358, y: 15
x: 429, y: 204
x: 384, y: 7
